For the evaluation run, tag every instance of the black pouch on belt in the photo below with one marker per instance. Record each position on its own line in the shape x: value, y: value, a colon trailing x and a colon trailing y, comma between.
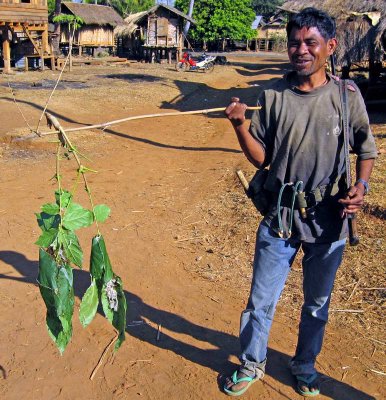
x: 260, y: 197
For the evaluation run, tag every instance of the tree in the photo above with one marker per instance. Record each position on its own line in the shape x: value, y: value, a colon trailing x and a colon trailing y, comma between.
x: 220, y: 19
x: 264, y: 7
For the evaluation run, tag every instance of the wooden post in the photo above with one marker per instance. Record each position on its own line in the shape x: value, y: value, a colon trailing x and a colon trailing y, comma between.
x: 6, y: 51
x: 45, y: 45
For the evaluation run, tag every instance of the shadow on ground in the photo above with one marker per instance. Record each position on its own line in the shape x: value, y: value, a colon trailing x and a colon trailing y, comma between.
x: 216, y: 359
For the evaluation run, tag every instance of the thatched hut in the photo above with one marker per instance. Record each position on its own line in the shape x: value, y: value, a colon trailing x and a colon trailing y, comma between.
x: 153, y: 34
x: 97, y: 29
x: 361, y: 28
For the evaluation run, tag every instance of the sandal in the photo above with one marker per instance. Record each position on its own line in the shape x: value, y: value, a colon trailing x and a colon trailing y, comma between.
x: 236, y: 380
x: 311, y: 381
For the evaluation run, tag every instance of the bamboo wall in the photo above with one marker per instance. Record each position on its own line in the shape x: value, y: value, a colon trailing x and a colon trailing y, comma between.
x: 90, y: 35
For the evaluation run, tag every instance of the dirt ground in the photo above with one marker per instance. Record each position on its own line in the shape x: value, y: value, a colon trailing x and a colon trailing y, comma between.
x: 180, y: 235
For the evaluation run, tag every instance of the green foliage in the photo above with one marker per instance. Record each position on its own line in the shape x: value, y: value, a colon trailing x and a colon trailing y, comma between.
x: 60, y: 250
x: 220, y: 19
x: 72, y: 20
x: 56, y: 287
x: 266, y: 8
x: 101, y: 212
x: 51, y: 6
x: 89, y: 304
x: 109, y: 286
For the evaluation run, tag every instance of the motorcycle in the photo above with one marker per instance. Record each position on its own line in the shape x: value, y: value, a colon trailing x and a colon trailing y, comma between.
x: 188, y: 63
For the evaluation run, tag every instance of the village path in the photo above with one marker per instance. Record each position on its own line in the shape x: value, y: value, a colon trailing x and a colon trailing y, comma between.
x: 157, y: 176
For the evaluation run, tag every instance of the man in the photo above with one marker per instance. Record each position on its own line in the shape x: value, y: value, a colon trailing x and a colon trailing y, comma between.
x: 298, y: 134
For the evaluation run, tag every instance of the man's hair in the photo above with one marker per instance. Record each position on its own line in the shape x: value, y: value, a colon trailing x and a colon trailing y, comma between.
x: 312, y: 18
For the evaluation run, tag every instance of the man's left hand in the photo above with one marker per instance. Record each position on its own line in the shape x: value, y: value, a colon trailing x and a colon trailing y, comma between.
x: 353, y: 201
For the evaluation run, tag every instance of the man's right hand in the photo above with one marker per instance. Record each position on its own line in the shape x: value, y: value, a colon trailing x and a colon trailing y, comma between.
x: 235, y: 112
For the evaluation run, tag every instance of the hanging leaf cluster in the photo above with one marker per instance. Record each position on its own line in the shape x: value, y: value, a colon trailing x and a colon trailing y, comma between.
x: 60, y: 251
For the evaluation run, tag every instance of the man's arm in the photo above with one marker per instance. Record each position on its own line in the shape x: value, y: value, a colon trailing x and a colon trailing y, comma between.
x: 354, y: 199
x: 252, y: 149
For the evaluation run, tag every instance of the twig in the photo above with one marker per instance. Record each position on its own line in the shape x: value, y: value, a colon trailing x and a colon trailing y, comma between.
x: 378, y: 372
x: 372, y: 288
x: 186, y: 239
x: 215, y: 300
x: 377, y: 341
x: 17, y: 105
x: 354, y: 289
x: 348, y: 311
x: 159, y: 332
x: 119, y: 121
x: 113, y: 340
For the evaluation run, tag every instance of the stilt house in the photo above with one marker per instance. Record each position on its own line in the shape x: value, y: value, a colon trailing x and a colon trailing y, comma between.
x: 24, y: 31
x: 97, y: 29
x: 154, y: 34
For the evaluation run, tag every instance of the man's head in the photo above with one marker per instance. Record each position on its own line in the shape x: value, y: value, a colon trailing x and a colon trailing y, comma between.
x: 311, y: 39
x: 312, y: 18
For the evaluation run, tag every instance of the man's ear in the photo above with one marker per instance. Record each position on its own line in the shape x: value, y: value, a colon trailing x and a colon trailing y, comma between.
x: 331, y: 46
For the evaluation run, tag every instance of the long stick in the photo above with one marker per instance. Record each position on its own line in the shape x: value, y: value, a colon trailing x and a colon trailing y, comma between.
x: 351, y: 218
x: 119, y: 121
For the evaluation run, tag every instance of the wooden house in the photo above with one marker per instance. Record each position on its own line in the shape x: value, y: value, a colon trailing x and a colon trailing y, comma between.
x: 24, y: 29
x: 271, y: 35
x: 154, y: 34
x: 97, y: 29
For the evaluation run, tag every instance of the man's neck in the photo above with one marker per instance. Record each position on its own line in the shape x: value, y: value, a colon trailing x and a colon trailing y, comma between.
x: 310, y: 82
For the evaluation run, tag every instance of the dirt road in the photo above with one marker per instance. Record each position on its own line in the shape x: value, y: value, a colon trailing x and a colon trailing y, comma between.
x: 170, y: 184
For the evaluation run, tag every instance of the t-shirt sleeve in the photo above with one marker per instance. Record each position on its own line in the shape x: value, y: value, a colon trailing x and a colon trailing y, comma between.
x: 260, y: 127
x: 361, y: 139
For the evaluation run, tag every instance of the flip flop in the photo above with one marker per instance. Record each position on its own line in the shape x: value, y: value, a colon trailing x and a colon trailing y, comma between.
x: 235, y: 381
x: 309, y: 381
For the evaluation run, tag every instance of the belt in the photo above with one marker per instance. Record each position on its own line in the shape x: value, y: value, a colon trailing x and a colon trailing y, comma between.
x: 310, y: 198
x: 291, y: 195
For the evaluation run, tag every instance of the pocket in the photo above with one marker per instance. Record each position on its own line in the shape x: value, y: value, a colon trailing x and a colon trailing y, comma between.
x: 260, y: 197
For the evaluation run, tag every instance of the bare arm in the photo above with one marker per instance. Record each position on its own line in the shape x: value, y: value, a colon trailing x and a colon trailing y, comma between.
x: 354, y: 199
x: 252, y: 149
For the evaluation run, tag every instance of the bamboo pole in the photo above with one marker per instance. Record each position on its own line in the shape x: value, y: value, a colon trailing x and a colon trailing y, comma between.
x: 119, y: 121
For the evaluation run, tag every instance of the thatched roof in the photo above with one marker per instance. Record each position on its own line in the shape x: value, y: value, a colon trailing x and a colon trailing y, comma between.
x: 93, y: 14
x: 132, y: 22
x: 360, y: 26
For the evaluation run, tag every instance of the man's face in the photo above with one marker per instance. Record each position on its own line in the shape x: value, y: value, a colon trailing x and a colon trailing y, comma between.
x: 308, y: 50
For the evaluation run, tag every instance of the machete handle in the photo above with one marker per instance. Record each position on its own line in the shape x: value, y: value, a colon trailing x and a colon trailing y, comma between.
x: 353, y: 230
x: 242, y: 179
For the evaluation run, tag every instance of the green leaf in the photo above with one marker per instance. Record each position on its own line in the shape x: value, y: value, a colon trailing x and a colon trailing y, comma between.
x: 100, y: 266
x: 77, y: 217
x: 109, y: 313
x: 56, y: 287
x: 89, y: 304
x: 63, y: 197
x: 116, y: 317
x: 102, y: 272
x: 47, y: 221
x: 47, y: 238
x: 101, y: 212
x: 50, y: 208
x: 71, y: 246
x: 119, y: 321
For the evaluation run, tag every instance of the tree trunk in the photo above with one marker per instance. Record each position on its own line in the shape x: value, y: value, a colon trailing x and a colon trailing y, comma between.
x: 190, y: 13
x: 56, y: 37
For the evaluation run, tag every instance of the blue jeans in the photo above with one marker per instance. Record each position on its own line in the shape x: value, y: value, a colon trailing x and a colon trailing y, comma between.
x: 273, y: 259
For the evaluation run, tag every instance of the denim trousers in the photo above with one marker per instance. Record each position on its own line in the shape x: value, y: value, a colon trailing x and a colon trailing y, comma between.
x: 273, y: 259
